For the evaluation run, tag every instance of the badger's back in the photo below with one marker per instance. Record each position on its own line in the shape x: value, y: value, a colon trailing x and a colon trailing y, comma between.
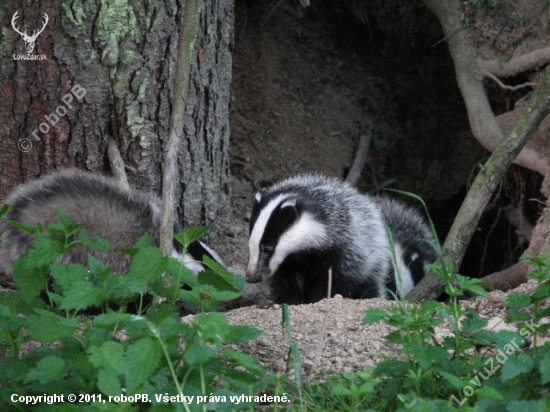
x: 107, y: 210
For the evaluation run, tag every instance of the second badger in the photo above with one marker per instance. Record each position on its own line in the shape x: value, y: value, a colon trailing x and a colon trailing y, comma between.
x: 306, y: 224
x: 105, y: 209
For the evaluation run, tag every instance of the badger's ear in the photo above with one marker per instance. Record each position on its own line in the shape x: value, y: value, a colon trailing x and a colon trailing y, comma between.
x: 258, y: 197
x: 289, y: 211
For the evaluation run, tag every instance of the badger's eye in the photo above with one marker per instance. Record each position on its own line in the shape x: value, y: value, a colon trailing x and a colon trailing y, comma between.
x: 267, y: 249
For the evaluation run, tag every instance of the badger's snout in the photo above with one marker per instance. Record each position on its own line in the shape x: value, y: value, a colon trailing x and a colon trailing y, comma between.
x: 254, y: 274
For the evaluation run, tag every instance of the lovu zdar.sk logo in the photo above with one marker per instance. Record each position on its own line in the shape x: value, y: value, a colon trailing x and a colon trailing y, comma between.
x: 29, y: 40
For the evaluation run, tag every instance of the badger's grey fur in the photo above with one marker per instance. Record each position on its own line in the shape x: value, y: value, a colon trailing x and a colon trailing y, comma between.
x: 107, y: 210
x: 305, y: 224
x: 413, y: 244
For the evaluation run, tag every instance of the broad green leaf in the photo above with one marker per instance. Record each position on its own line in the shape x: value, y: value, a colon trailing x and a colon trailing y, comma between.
x: 245, y: 361
x: 373, y: 316
x: 190, y: 234
x: 48, y: 327
x: 142, y: 359
x: 108, y: 382
x: 110, y: 355
x: 197, y: 354
x: 516, y: 365
x: 47, y: 369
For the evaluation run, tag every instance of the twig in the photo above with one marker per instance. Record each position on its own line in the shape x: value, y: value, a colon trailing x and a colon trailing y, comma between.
x: 447, y: 37
x: 361, y: 156
x: 329, y: 286
x: 323, y: 330
x: 186, y: 43
x: 505, y: 86
x: 117, y: 164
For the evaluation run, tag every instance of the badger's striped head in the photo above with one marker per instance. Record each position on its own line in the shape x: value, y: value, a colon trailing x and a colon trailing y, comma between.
x: 280, y: 225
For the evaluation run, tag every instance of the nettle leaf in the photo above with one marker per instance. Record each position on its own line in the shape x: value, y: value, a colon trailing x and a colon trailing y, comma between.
x: 197, y: 354
x: 517, y: 300
x: 340, y: 390
x: 245, y: 361
x: 523, y: 406
x: 241, y: 333
x: 373, y: 316
x: 220, y: 277
x: 97, y: 243
x: 82, y: 295
x: 31, y: 230
x: 143, y: 242
x: 147, y: 263
x: 65, y: 276
x: 192, y: 297
x: 176, y: 268
x: 47, y: 369
x: 486, y: 337
x: 47, y: 327
x: 544, y: 369
x: 542, y: 291
x: 455, y: 381
x: 66, y: 230
x: 489, y: 392
x: 472, y: 321
x: 212, y: 326
x: 190, y: 234
x: 110, y: 319
x: 142, y: 359
x: 516, y: 365
x: 109, y: 356
x: 30, y: 271
x: 108, y: 382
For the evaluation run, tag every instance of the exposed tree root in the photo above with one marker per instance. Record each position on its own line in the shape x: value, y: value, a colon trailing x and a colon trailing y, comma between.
x: 508, y: 278
x: 483, y: 187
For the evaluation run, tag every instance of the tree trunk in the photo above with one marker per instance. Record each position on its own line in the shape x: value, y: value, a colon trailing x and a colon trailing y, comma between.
x: 120, y: 58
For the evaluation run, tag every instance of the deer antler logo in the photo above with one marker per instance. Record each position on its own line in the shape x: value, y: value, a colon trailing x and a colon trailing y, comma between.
x: 30, y: 40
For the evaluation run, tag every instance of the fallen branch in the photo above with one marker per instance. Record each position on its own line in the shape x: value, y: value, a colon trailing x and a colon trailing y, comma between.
x: 186, y: 44
x: 483, y: 187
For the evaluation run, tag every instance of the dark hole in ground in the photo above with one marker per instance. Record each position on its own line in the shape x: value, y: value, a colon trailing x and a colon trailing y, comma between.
x: 404, y: 47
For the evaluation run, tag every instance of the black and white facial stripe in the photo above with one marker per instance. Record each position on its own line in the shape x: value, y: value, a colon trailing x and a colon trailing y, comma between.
x: 117, y: 215
x: 281, y: 227
x: 305, y: 224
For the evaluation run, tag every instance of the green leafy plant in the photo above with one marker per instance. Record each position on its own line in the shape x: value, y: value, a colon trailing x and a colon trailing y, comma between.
x: 470, y: 368
x: 149, y: 360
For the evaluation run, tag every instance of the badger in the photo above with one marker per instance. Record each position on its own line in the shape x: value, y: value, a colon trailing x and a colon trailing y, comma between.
x: 107, y: 210
x: 413, y: 245
x: 306, y: 224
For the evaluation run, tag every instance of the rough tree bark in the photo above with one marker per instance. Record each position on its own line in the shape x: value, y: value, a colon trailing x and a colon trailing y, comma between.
x: 123, y: 54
